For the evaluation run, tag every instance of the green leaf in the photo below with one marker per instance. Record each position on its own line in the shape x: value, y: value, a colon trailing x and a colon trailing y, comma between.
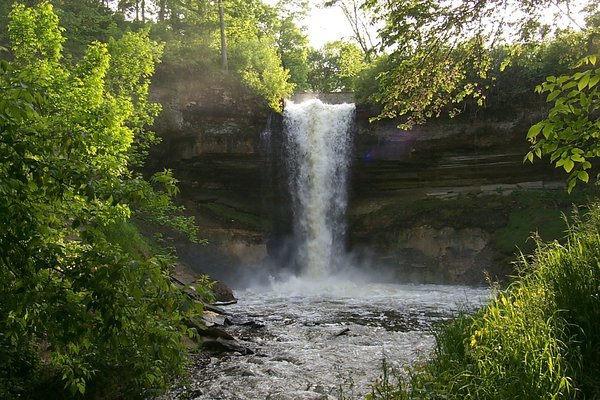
x: 529, y: 157
x: 583, y: 82
x: 548, y: 128
x: 583, y: 176
x: 535, y: 130
x: 568, y: 165
x: 593, y: 81
x: 553, y: 95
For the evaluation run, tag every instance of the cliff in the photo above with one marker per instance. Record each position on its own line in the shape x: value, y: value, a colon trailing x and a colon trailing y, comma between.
x: 446, y: 202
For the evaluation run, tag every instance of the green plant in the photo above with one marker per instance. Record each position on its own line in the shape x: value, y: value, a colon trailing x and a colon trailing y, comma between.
x: 570, y: 132
x: 537, y: 339
x: 100, y: 319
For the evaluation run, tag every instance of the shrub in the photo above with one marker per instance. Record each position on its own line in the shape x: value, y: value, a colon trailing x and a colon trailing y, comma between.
x: 538, y: 339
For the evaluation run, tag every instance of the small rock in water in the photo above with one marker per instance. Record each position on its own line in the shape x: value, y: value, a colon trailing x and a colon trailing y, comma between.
x: 211, y: 318
x: 341, y: 332
x: 223, y: 294
x: 224, y: 345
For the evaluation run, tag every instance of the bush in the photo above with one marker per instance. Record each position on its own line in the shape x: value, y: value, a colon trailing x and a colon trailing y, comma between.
x: 538, y: 339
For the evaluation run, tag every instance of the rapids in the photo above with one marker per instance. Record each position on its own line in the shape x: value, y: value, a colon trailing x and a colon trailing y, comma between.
x: 298, y: 353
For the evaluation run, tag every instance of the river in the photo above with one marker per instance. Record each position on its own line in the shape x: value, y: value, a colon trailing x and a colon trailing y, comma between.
x: 326, y: 339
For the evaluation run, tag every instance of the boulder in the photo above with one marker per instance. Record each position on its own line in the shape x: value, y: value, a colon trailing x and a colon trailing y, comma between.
x: 223, y: 293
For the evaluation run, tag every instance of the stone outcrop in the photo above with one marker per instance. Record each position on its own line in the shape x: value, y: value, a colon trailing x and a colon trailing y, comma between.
x: 433, y: 204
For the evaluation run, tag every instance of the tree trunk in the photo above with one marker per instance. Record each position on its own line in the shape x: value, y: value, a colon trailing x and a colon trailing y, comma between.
x: 161, y: 10
x: 224, y: 64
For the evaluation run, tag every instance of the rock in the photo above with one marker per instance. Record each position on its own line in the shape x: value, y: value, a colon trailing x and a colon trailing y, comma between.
x: 211, y: 318
x: 233, y: 320
x: 225, y: 303
x: 223, y: 293
x: 216, y: 333
x: 215, y: 309
x: 401, y: 186
x: 342, y: 332
x: 225, y: 345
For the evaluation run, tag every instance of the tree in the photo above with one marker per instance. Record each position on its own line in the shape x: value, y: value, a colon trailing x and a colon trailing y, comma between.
x: 570, y: 134
x: 251, y: 32
x: 292, y: 48
x: 436, y: 44
x: 335, y: 67
x: 360, y: 22
x: 108, y: 321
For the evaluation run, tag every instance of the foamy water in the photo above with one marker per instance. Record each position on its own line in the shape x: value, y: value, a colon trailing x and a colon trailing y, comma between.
x: 298, y: 354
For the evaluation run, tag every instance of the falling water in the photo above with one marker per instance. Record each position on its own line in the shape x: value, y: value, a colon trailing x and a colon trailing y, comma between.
x: 318, y: 144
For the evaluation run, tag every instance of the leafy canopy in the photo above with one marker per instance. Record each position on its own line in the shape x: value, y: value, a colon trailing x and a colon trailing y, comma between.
x: 441, y: 51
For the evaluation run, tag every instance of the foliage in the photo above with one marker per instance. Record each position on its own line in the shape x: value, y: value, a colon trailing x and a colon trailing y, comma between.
x: 359, y: 18
x: 292, y: 47
x: 367, y: 82
x: 253, y: 53
x: 518, y: 68
x: 107, y: 321
x: 260, y: 69
x: 538, y: 339
x: 85, y: 21
x: 441, y: 51
x: 191, y: 36
x: 335, y: 67
x: 570, y: 132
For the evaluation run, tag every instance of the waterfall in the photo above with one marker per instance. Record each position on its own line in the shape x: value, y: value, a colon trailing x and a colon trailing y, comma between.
x: 317, y: 145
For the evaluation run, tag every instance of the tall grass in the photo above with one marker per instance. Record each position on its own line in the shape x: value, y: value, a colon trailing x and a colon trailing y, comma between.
x: 538, y: 339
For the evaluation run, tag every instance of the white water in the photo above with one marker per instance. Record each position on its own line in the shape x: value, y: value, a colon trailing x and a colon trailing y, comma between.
x: 318, y: 144
x: 297, y: 353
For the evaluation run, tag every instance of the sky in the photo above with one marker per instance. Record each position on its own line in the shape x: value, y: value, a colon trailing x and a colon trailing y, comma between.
x: 328, y: 24
x: 324, y: 24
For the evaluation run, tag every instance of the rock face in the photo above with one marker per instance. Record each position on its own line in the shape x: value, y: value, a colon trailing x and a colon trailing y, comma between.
x: 434, y: 204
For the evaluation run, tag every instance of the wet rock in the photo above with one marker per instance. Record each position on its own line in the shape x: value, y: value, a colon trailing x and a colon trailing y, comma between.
x: 215, y: 309
x: 223, y: 293
x: 342, y: 332
x: 233, y: 320
x: 213, y: 332
x: 225, y: 303
x: 211, y: 318
x: 223, y: 345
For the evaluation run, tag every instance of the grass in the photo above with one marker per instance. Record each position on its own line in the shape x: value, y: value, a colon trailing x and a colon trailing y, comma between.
x: 537, y: 339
